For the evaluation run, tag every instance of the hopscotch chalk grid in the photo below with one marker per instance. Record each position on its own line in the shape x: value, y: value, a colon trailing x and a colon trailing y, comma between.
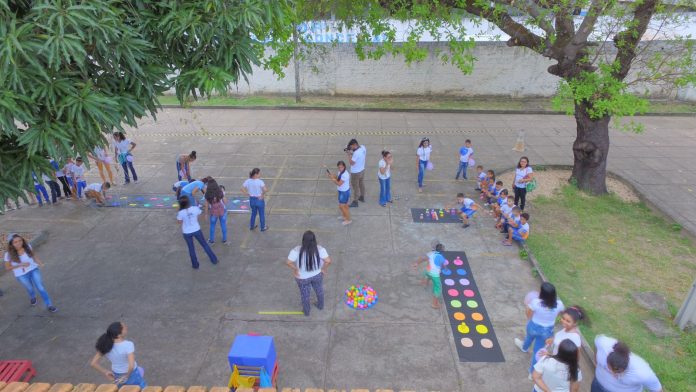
x: 471, y: 327
x: 234, y: 204
x: 435, y: 215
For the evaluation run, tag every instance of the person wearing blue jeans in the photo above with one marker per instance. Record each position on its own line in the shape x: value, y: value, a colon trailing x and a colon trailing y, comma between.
x: 542, y: 313
x: 216, y: 205
x: 384, y: 177
x: 40, y: 189
x: 465, y: 154
x: 183, y: 162
x: 121, y: 352
x: 423, y: 152
x: 190, y: 228
x: 24, y: 263
x: 122, y: 150
x: 256, y: 189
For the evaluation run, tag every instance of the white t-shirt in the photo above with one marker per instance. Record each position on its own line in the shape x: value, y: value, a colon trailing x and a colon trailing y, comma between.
x: 467, y: 203
x: 544, y: 316
x: 94, y: 187
x: 78, y: 172
x: 563, y: 335
x: 294, y: 256
x: 254, y: 186
x: 555, y: 375
x: 122, y: 146
x: 520, y: 174
x: 22, y: 259
x: 189, y: 217
x: 523, y: 229
x: 638, y: 374
x: 506, y: 210
x: 119, y: 356
x: 345, y: 177
x: 465, y: 157
x: 482, y: 176
x: 99, y: 153
x: 359, y: 158
x: 424, y: 153
x: 45, y: 177
x: 67, y: 169
x: 387, y: 173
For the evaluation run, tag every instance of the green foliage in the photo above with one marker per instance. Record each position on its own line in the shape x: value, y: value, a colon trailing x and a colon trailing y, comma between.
x: 74, y: 71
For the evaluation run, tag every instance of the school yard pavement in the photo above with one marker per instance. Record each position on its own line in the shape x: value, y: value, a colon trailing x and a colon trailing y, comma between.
x: 107, y: 264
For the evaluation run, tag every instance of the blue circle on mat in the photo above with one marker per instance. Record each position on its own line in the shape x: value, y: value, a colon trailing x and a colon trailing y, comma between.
x: 461, y: 271
x: 447, y: 272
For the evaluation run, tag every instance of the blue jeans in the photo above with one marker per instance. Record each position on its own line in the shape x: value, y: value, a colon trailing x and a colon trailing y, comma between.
x: 421, y: 172
x: 384, y: 191
x: 41, y: 190
x: 198, y: 235
x: 33, y: 279
x: 258, y: 206
x: 597, y: 387
x: 128, y: 165
x: 81, y: 184
x: 462, y: 169
x: 55, y: 190
x: 537, y: 334
x: 178, y: 170
x: 135, y: 378
x: 223, y: 226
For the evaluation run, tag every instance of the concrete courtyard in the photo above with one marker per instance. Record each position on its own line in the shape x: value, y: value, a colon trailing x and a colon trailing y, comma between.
x: 105, y: 264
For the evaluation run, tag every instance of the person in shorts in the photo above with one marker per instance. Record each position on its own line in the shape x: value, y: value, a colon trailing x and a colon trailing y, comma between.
x: 432, y: 273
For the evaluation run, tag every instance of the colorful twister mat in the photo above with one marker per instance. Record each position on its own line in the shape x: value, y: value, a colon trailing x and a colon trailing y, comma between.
x: 471, y: 326
x: 234, y: 203
x: 435, y: 215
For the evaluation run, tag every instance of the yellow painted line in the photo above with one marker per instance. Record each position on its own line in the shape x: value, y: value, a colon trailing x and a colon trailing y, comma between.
x: 272, y: 133
x: 280, y: 312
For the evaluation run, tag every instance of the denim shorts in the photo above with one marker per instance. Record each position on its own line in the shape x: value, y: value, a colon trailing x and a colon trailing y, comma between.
x: 343, y: 197
x: 469, y: 212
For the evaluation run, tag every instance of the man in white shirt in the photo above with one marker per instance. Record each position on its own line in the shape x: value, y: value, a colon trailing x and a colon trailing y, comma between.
x: 356, y: 154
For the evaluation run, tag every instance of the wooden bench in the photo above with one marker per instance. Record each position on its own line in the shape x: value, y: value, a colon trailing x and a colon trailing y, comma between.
x: 20, y: 370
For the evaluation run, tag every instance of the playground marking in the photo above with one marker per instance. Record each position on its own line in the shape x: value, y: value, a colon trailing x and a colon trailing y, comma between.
x: 280, y: 312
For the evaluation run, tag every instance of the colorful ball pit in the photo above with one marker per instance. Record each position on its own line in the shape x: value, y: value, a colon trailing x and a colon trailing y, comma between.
x: 361, y: 297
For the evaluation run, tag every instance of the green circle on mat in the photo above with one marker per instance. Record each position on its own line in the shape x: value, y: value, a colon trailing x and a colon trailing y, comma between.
x: 456, y: 303
x: 472, y: 304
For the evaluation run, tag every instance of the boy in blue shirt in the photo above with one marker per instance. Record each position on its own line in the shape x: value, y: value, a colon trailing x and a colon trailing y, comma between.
x: 519, y: 231
x: 435, y: 263
x: 465, y: 154
x: 480, y: 177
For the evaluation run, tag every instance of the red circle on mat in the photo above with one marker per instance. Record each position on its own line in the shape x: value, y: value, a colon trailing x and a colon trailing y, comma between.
x: 452, y: 292
x: 469, y: 293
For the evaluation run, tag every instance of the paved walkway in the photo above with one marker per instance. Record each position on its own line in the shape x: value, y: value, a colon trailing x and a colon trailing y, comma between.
x: 110, y: 264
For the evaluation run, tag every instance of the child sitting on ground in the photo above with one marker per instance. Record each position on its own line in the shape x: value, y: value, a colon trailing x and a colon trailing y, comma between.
x: 467, y: 208
x: 97, y: 192
x: 520, y: 233
x: 492, y: 193
x: 488, y: 184
x: 506, y: 213
x: 500, y: 201
x: 480, y: 177
x: 435, y: 263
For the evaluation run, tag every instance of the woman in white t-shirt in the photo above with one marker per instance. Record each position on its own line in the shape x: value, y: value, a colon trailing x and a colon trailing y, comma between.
x: 423, y: 152
x: 25, y: 263
x: 559, y: 372
x: 384, y: 177
x: 342, y: 181
x: 121, y: 352
x: 122, y: 150
x: 569, y: 322
x: 104, y: 161
x: 255, y: 188
x: 523, y: 175
x: 188, y: 218
x: 309, y: 263
x: 542, y: 313
x: 620, y: 370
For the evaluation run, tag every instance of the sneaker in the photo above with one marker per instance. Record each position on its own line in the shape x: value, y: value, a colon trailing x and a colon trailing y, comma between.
x: 211, y: 241
x: 354, y: 204
x: 252, y: 228
x: 518, y: 344
x: 466, y: 225
x: 361, y: 199
x: 264, y: 229
x: 346, y: 223
x: 32, y: 302
x: 224, y: 242
x: 52, y: 309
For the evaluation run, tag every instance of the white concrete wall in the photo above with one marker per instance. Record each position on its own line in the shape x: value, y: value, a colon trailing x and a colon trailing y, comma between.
x: 499, y: 71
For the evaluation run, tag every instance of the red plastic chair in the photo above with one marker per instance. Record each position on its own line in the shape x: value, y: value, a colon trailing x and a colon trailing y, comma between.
x: 19, y: 370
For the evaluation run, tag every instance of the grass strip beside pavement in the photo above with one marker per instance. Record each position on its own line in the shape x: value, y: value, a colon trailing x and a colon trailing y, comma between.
x: 396, y: 103
x: 599, y: 250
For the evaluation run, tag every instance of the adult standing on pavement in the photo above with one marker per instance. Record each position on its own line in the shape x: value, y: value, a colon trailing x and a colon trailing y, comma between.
x: 103, y: 160
x: 25, y: 263
x: 122, y: 150
x: 121, y: 353
x: 384, y: 177
x: 620, y: 370
x: 188, y: 218
x: 216, y: 206
x: 423, y: 152
x: 255, y: 188
x: 523, y: 175
x: 309, y: 262
x: 356, y: 154
x: 183, y: 165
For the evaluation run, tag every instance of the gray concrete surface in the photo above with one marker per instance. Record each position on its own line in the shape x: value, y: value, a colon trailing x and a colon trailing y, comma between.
x: 114, y: 264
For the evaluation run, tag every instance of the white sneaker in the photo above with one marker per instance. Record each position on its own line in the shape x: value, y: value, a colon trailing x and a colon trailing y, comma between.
x: 518, y: 343
x: 346, y: 223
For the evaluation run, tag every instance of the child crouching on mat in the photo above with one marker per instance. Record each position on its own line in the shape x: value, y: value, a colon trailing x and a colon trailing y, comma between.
x: 432, y: 272
x: 467, y: 208
x: 97, y: 192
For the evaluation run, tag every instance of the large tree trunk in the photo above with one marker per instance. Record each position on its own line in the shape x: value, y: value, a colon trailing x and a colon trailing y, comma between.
x: 590, y: 151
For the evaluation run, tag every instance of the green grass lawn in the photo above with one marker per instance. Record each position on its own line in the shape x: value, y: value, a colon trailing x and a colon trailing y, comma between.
x: 597, y: 251
x: 405, y: 103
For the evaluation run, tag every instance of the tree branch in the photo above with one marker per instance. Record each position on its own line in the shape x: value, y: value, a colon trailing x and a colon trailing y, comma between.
x: 627, y: 40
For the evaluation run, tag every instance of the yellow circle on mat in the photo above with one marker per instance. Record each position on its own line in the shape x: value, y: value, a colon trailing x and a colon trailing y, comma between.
x: 487, y: 343
x: 459, y: 316
x: 463, y: 328
x: 482, y: 329
x: 477, y: 316
x: 466, y: 342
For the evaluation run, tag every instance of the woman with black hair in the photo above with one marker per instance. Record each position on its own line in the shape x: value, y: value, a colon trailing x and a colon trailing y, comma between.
x: 423, y: 152
x: 620, y: 370
x: 542, y: 313
x: 559, y: 372
x: 523, y: 175
x: 342, y: 181
x: 256, y: 190
x: 183, y: 163
x: 216, y: 205
x: 188, y: 219
x: 122, y: 150
x: 309, y: 263
x: 121, y: 353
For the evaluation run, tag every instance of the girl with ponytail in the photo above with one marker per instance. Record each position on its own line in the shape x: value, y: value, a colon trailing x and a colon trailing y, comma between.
x: 559, y: 372
x: 121, y: 352
x: 618, y: 369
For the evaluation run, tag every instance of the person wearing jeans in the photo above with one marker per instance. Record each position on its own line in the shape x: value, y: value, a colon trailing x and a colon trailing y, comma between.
x: 423, y: 152
x: 188, y: 218
x: 216, y: 205
x: 356, y: 156
x: 384, y: 177
x: 465, y: 154
x: 256, y: 189
x: 55, y: 188
x: 183, y: 162
x: 122, y: 150
x: 309, y: 263
x: 40, y: 189
x: 523, y: 175
x: 24, y: 263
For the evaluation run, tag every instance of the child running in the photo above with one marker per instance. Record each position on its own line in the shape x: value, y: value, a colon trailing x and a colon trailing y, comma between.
x: 432, y: 272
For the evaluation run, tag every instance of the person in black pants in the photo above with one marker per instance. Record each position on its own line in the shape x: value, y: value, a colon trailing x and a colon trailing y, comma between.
x: 523, y: 175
